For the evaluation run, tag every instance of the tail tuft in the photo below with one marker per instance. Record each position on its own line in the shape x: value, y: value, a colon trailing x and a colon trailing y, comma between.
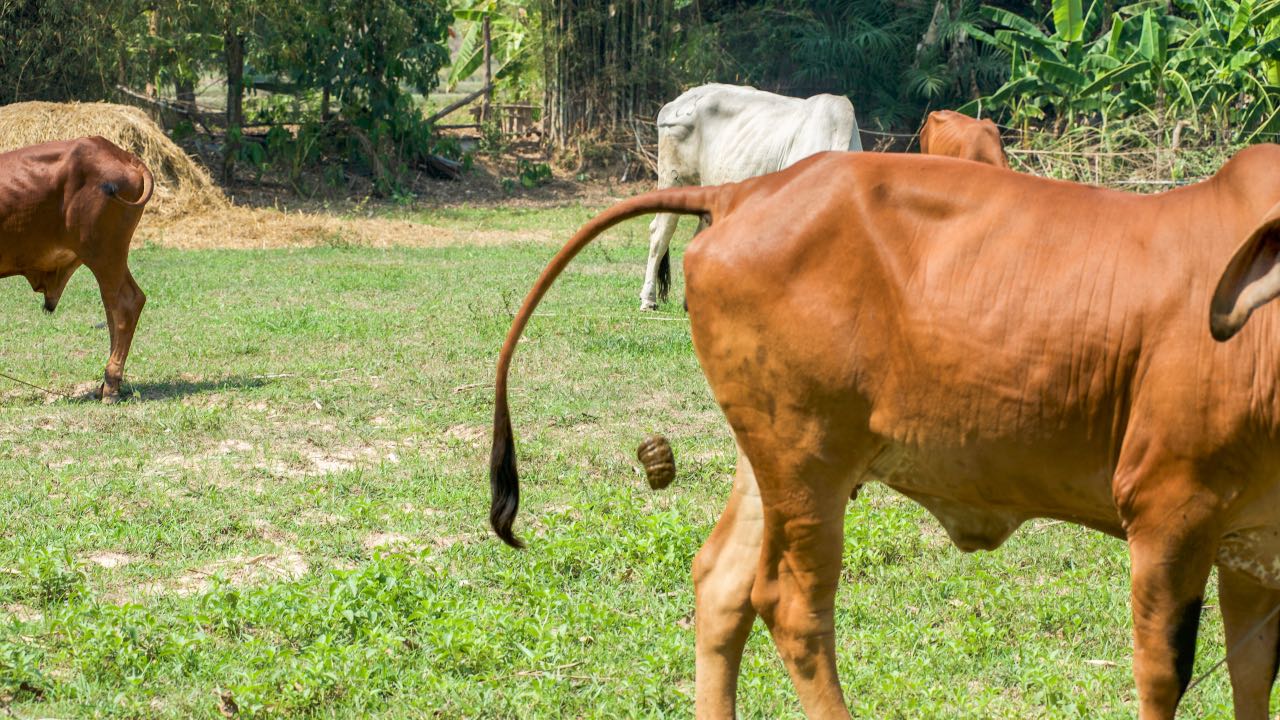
x: 664, y: 275
x: 504, y: 481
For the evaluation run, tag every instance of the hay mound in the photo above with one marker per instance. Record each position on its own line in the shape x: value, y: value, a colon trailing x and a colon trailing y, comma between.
x: 182, y: 186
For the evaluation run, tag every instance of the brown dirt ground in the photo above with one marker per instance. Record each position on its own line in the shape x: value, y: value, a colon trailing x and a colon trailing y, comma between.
x: 272, y: 215
x: 243, y: 228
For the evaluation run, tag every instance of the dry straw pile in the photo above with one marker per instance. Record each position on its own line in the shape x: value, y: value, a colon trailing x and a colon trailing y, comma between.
x: 182, y: 186
x: 261, y: 228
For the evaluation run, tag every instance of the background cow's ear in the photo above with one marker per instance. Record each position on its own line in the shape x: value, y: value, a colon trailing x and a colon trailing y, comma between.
x: 1251, y: 280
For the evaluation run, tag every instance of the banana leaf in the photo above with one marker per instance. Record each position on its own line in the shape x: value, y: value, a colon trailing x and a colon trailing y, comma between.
x: 1068, y: 20
x: 1120, y: 75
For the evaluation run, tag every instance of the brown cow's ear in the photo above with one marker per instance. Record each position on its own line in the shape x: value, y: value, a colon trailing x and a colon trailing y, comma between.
x: 1251, y: 280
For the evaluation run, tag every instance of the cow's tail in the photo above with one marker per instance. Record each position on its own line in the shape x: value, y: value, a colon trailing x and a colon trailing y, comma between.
x: 148, y: 187
x: 664, y: 275
x: 503, y: 479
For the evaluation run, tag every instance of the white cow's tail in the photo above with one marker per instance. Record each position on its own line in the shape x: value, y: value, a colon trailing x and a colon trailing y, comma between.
x: 664, y: 275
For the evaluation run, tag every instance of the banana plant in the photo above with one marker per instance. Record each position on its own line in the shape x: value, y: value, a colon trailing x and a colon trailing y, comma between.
x: 1049, y: 70
x: 1233, y: 48
x: 1215, y: 57
x: 508, y: 38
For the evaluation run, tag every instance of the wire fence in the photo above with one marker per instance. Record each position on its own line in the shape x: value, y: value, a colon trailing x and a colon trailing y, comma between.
x: 1089, y: 156
x: 1144, y: 168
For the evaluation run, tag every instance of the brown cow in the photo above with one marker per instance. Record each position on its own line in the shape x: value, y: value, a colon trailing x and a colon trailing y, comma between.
x: 997, y: 347
x: 63, y: 205
x: 957, y: 135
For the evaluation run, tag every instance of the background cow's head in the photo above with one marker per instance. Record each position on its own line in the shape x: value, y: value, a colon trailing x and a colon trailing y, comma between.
x: 1251, y: 280
x: 679, y: 139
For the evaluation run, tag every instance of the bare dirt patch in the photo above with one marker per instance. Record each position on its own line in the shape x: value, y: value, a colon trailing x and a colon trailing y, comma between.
x: 470, y: 434
x: 109, y: 559
x: 276, y: 457
x: 227, y: 447
x: 266, y: 531
x: 324, y: 459
x: 319, y: 517
x: 21, y: 613
x: 242, y: 228
x: 388, y: 541
x: 239, y: 571
x: 324, y: 462
x: 443, y: 542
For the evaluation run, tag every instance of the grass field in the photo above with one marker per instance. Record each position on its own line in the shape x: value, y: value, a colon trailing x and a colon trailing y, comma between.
x: 288, y: 517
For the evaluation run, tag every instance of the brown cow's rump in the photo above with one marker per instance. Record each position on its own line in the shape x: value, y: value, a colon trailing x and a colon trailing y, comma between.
x: 72, y: 203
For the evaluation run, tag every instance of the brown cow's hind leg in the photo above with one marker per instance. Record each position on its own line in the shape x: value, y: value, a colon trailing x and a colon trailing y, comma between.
x: 804, y: 505
x: 1171, y: 554
x: 1253, y: 662
x: 723, y: 572
x: 123, y: 301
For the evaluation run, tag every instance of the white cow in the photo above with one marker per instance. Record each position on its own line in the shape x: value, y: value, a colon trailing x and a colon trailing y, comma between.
x: 715, y: 134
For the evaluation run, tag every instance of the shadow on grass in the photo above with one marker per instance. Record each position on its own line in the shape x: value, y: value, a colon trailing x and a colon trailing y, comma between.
x: 171, y: 389
x: 87, y: 392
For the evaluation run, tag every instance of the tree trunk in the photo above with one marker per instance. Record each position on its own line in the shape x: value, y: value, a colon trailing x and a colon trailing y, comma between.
x: 185, y: 90
x: 234, y: 49
x: 488, y: 72
x: 153, y: 30
x: 930, y: 39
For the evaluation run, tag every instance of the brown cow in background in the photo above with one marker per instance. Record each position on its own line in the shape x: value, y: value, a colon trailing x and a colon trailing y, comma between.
x: 957, y: 135
x: 997, y: 347
x: 63, y: 205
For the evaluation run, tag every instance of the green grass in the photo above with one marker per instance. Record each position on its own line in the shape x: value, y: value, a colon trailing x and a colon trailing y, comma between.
x: 292, y: 409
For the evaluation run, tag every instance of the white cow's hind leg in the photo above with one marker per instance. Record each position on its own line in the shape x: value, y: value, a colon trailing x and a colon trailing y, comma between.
x: 723, y: 572
x: 655, y: 278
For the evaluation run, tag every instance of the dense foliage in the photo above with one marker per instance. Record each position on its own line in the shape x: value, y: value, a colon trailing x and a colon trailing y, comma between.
x: 63, y: 49
x: 514, y: 42
x: 347, y: 77
x: 344, y: 73
x: 1210, y: 59
x: 350, y: 68
x: 895, y: 60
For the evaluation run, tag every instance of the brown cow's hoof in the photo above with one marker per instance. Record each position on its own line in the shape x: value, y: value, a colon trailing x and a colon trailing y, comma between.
x: 659, y: 462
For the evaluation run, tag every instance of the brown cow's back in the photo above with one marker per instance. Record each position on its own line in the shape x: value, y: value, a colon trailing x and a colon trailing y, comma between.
x: 47, y: 192
x: 999, y: 335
